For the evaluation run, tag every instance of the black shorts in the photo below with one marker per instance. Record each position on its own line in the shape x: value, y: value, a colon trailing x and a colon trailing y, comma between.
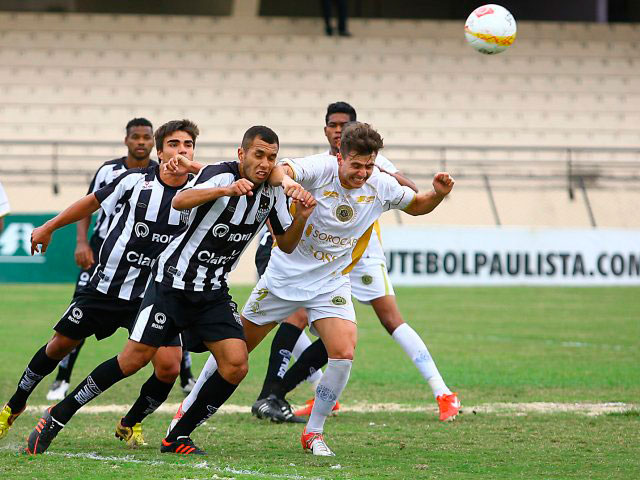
x: 263, y: 254
x: 94, y: 313
x: 95, y: 242
x: 206, y: 316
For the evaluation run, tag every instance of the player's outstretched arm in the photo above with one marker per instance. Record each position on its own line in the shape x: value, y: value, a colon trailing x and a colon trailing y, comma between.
x: 281, y: 175
x: 288, y: 241
x: 195, y: 197
x: 425, y: 202
x: 77, y: 211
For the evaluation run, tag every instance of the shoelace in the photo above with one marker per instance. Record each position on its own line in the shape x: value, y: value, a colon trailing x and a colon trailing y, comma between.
x: 318, y: 443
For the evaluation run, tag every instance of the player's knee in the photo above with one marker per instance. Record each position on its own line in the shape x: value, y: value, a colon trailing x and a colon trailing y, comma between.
x: 298, y: 318
x: 167, y: 372
x: 342, y: 353
x: 133, y: 358
x: 234, y: 370
x: 60, y: 346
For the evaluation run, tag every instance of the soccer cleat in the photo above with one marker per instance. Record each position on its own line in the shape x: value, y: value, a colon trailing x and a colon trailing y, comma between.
x: 182, y: 446
x: 287, y: 412
x: 132, y: 435
x: 7, y: 417
x: 314, y: 443
x: 449, y: 406
x: 275, y: 409
x: 308, y: 406
x: 58, y: 390
x: 188, y: 387
x: 41, y: 437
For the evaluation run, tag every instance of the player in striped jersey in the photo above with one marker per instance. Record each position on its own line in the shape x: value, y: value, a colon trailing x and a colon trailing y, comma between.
x: 369, y: 285
x: 224, y: 207
x: 139, y: 143
x: 143, y: 223
x: 351, y: 196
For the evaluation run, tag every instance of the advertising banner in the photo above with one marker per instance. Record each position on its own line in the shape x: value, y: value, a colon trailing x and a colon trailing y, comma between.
x: 17, y: 264
x: 511, y: 256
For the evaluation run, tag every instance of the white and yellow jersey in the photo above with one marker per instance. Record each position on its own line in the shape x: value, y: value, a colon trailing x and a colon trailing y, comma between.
x: 337, y: 232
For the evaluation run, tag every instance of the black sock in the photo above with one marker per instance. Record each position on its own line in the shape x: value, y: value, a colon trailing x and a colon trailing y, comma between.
x: 313, y: 358
x: 103, y: 376
x: 39, y: 367
x: 185, y: 368
x: 215, y: 391
x: 152, y: 394
x: 67, y: 363
x: 283, y: 342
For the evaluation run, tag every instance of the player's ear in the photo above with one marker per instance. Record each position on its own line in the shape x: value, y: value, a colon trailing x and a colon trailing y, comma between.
x: 240, y: 154
x: 160, y: 155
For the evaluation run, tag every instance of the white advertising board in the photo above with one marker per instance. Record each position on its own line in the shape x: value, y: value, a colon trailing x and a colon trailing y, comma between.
x: 511, y: 256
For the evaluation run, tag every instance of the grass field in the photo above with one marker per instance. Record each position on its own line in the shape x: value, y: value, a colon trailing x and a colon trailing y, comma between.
x: 492, y: 345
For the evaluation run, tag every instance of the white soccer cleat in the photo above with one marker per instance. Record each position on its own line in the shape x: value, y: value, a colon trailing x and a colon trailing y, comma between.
x: 58, y: 390
x: 315, y: 444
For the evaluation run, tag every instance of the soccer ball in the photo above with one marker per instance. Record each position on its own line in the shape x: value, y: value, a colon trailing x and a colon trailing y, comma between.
x: 490, y: 29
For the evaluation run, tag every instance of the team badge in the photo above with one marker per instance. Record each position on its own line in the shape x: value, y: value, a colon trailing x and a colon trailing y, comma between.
x: 344, y: 213
x: 262, y: 214
x: 254, y: 307
x: 184, y: 216
x: 367, y: 279
x: 338, y: 300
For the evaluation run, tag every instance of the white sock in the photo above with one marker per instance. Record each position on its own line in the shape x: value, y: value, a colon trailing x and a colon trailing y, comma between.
x: 419, y: 354
x: 333, y: 381
x: 209, y: 369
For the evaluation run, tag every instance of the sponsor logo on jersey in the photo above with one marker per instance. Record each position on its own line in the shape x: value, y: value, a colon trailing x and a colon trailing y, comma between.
x: 139, y: 259
x: 338, y: 300
x: 141, y: 229
x: 159, y: 320
x: 330, y: 194
x: 367, y: 279
x: 147, y: 185
x: 313, y: 232
x: 220, y: 230
x: 161, y: 238
x: 365, y: 198
x: 210, y: 257
x: 75, y: 316
x: 89, y: 391
x: 344, y: 213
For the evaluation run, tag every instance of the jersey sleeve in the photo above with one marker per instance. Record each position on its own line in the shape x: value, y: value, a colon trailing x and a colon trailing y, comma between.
x: 98, y: 179
x: 211, y: 176
x: 392, y: 194
x: 312, y: 171
x: 5, y: 208
x: 386, y: 164
x: 279, y: 216
x: 110, y: 195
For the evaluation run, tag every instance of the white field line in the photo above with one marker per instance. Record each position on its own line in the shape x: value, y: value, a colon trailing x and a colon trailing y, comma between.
x: 590, y: 409
x: 202, y: 465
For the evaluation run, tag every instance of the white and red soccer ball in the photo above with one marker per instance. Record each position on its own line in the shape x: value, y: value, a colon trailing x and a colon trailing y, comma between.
x: 490, y: 29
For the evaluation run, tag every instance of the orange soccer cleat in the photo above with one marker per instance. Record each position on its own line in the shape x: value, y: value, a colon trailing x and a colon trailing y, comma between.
x: 308, y: 406
x: 449, y: 406
x: 314, y: 443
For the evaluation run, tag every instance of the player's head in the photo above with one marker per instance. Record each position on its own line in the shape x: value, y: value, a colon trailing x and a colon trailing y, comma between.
x: 139, y: 138
x: 338, y: 114
x: 359, y: 148
x: 177, y: 137
x: 258, y: 153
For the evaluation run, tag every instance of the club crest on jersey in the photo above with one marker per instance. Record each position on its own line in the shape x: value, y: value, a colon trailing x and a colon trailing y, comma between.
x: 254, y: 307
x: 367, y: 279
x: 338, y: 300
x: 184, y: 216
x: 344, y: 213
x: 141, y: 229
x: 262, y: 213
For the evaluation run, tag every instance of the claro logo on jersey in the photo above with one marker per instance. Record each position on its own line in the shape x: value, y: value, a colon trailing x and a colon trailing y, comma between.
x: 141, y: 229
x: 140, y: 259
x: 312, y: 232
x: 210, y: 257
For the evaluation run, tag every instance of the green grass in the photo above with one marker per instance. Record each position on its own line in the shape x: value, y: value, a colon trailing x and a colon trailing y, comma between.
x: 491, y: 345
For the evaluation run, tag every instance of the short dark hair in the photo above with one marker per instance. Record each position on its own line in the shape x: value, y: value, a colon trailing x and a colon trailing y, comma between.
x: 138, y: 122
x: 340, y: 107
x: 168, y: 128
x: 360, y: 138
x: 265, y: 133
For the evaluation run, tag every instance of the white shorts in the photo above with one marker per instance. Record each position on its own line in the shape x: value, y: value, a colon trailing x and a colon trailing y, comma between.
x: 264, y: 307
x: 369, y: 280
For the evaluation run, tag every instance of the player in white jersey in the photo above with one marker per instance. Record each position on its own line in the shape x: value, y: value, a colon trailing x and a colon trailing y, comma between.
x: 370, y: 284
x: 5, y: 208
x: 350, y: 197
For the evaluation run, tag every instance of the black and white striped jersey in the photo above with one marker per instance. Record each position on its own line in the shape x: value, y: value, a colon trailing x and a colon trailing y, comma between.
x: 143, y: 224
x: 219, y: 231
x: 106, y: 174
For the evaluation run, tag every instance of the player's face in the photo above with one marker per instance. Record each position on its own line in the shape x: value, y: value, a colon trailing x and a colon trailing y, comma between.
x: 354, y: 170
x: 333, y: 130
x: 176, y: 143
x: 139, y: 142
x: 258, y: 160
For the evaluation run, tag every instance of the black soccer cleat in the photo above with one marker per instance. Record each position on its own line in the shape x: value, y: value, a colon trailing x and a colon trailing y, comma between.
x: 182, y: 446
x: 44, y: 433
x: 275, y: 409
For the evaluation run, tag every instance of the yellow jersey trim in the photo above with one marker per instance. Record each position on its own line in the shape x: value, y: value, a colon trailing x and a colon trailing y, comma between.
x: 358, y: 250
